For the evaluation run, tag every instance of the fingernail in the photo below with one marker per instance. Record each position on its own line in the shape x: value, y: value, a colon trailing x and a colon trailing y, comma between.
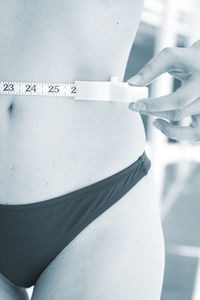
x: 136, y: 79
x: 139, y: 106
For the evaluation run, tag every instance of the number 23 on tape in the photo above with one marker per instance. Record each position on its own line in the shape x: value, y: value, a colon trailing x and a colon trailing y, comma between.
x: 38, y: 89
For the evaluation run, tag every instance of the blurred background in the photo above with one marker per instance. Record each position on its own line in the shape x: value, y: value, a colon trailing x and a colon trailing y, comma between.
x: 167, y: 23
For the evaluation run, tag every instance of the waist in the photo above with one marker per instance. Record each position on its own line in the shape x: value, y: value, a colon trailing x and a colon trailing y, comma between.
x: 52, y: 146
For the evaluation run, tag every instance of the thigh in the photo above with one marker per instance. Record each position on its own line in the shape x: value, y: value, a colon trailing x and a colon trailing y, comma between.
x: 118, y: 256
x: 9, y: 291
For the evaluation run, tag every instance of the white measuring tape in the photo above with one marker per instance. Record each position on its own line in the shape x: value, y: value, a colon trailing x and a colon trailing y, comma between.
x: 80, y: 90
x: 37, y: 89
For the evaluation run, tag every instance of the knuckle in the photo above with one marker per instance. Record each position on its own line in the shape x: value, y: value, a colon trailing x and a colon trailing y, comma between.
x: 166, y: 50
x: 170, y: 51
x: 173, y: 55
x: 196, y: 44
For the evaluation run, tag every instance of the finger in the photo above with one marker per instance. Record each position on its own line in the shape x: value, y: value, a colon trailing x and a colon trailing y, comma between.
x: 159, y: 64
x: 176, y: 132
x: 179, y: 114
x: 196, y: 44
x: 172, y: 115
x: 180, y: 75
x: 182, y: 97
x: 195, y: 121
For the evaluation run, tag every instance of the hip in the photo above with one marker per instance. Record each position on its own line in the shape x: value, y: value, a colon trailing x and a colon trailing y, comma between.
x: 51, y: 147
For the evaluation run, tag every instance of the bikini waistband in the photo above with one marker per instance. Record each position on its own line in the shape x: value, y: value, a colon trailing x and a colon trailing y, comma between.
x: 143, y: 161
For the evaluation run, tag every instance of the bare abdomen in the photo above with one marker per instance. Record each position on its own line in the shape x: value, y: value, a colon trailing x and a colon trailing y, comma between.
x: 54, y: 146
x: 51, y: 146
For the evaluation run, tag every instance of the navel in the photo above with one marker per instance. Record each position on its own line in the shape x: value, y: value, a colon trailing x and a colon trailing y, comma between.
x: 10, y: 108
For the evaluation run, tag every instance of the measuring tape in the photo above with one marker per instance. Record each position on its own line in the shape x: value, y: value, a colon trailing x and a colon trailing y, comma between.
x: 37, y: 89
x: 113, y: 90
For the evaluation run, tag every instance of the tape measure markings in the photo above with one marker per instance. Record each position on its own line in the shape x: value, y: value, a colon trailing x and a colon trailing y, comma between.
x: 37, y: 88
x: 112, y: 90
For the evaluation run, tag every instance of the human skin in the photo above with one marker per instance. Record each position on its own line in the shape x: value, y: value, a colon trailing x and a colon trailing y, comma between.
x: 64, y: 41
x: 50, y: 146
x: 183, y: 64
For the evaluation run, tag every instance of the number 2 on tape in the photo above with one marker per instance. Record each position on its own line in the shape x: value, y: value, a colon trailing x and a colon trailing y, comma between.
x: 38, y: 89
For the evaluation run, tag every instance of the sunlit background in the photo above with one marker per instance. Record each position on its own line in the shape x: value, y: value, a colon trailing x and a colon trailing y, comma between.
x: 167, y: 23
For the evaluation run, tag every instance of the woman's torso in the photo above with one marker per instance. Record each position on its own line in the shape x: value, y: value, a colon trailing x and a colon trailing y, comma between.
x: 50, y: 145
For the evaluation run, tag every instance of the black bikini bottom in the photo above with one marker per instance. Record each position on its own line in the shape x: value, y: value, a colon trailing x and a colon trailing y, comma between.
x: 31, y: 235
